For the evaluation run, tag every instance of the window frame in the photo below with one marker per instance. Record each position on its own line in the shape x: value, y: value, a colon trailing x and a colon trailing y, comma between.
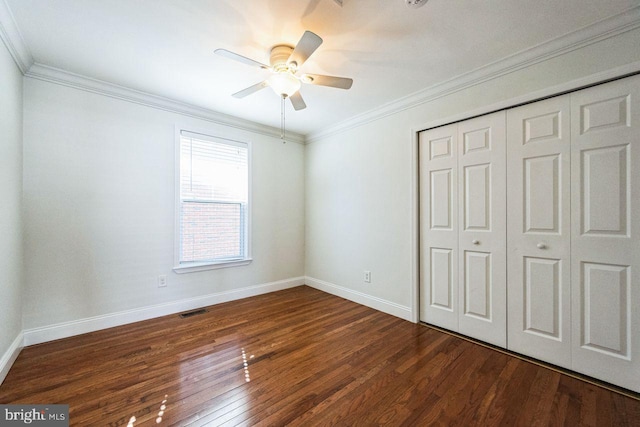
x: 215, y: 136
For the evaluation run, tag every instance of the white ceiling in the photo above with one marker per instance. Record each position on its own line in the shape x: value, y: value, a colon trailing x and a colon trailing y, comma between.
x: 165, y: 47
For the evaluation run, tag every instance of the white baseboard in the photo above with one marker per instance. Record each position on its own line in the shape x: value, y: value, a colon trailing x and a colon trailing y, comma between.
x: 90, y: 324
x: 376, y: 303
x: 10, y: 356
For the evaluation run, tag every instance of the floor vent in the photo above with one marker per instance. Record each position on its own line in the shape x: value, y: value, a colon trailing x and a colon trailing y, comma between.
x: 192, y: 313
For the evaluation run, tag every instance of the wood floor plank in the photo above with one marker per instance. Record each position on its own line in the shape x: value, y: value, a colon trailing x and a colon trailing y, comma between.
x: 300, y: 357
x: 540, y: 399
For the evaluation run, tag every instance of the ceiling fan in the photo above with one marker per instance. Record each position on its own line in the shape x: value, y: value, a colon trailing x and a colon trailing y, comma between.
x: 284, y: 64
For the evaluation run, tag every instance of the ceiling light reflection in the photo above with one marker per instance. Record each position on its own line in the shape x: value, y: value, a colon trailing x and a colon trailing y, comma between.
x: 245, y: 364
x: 163, y: 407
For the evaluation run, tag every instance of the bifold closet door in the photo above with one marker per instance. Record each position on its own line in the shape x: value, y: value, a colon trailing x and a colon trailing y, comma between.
x: 462, y: 227
x: 482, y: 228
x: 605, y: 222
x: 538, y: 229
x: 439, y: 226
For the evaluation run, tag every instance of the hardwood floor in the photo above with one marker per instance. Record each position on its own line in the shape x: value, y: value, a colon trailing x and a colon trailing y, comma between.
x: 311, y: 359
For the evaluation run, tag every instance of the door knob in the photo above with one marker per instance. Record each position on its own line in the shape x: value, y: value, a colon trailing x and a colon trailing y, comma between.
x: 475, y: 242
x: 541, y: 245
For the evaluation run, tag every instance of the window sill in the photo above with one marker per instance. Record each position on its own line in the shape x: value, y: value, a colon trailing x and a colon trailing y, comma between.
x: 203, y: 266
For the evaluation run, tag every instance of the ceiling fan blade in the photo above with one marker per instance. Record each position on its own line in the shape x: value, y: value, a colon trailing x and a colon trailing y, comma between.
x: 331, y: 81
x: 251, y: 89
x: 297, y: 101
x: 305, y: 47
x: 231, y: 55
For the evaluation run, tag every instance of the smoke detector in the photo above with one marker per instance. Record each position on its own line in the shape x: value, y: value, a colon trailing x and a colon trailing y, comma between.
x: 414, y: 4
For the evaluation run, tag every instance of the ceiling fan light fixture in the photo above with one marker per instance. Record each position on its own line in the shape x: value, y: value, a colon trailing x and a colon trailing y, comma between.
x: 284, y: 84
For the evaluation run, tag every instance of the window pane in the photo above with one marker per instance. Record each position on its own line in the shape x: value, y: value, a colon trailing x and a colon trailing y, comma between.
x: 213, y: 200
x: 211, y: 231
x: 213, y: 171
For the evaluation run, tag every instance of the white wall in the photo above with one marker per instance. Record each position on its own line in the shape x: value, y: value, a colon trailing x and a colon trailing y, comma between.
x: 11, y: 273
x: 99, y: 202
x: 359, y: 197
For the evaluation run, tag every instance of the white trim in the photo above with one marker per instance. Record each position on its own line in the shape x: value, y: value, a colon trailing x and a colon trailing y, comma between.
x: 10, y: 356
x: 414, y: 221
x: 376, y: 303
x: 204, y: 266
x: 65, y: 78
x: 12, y: 38
x: 594, y: 33
x: 95, y: 323
x: 209, y: 135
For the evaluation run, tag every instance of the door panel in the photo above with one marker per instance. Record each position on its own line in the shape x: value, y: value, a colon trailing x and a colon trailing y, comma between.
x: 476, y: 140
x: 606, y: 314
x: 541, y: 128
x: 441, y: 279
x: 440, y: 200
x: 541, y: 182
x: 605, y: 182
x: 477, y: 197
x: 482, y: 237
x: 438, y: 227
x: 605, y: 248
x: 542, y: 303
x: 538, y: 227
x: 477, y: 285
x: 605, y: 113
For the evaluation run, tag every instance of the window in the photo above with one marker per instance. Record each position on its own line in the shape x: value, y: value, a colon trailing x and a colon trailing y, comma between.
x: 212, y: 227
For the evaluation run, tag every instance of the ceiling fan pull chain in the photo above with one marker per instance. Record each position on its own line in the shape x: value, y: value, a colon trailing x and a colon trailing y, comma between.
x: 282, y: 122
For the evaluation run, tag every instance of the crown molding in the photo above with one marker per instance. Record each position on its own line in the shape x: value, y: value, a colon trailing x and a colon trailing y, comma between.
x: 599, y: 31
x: 591, y: 34
x: 65, y: 78
x: 10, y: 35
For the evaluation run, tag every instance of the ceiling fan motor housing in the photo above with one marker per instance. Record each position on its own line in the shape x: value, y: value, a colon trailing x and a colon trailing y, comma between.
x: 279, y: 56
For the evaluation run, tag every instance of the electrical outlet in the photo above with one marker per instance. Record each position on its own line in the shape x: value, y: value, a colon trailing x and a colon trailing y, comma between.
x: 162, y: 281
x: 367, y: 276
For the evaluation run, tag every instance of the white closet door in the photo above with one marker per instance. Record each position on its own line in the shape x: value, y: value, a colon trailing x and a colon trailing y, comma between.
x: 438, y: 227
x: 538, y: 228
x: 605, y: 246
x: 482, y: 228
